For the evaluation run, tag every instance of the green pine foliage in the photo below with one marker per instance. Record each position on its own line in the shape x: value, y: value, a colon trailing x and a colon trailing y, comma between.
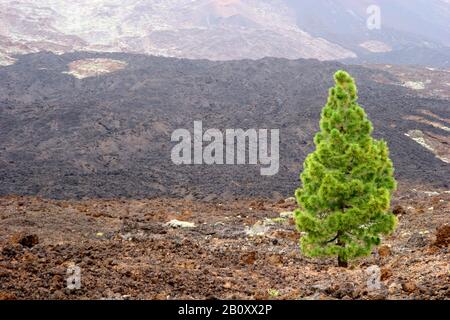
x: 346, y: 182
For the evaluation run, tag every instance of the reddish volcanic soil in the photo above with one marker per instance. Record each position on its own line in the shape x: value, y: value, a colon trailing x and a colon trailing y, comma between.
x: 126, y: 251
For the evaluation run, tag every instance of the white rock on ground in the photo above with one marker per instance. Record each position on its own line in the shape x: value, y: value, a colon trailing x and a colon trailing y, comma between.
x: 290, y: 200
x: 258, y: 229
x: 287, y: 214
x: 180, y: 224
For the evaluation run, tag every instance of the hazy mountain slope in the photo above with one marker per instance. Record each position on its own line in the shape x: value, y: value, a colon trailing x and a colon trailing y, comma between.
x: 412, y: 32
x: 212, y: 29
x: 403, y: 22
x: 109, y: 135
x: 230, y: 29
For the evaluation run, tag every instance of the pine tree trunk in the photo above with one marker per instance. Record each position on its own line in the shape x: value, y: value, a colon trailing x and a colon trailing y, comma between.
x: 342, y: 262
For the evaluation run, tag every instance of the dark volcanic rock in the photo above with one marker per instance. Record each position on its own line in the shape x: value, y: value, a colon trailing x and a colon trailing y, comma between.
x: 28, y: 240
x: 110, y: 136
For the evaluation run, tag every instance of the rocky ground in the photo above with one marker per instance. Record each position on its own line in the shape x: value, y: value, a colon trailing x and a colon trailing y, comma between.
x: 244, y: 249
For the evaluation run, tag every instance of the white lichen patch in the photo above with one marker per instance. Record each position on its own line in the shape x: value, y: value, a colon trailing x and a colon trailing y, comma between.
x: 260, y: 228
x: 287, y: 214
x: 94, y: 67
x: 415, y: 85
x: 419, y: 137
x: 180, y: 224
x: 431, y: 193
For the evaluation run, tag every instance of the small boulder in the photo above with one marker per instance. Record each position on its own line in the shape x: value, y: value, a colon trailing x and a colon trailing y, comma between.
x: 384, y: 251
x: 323, y: 286
x: 394, y: 288
x: 386, y: 273
x: 398, y: 210
x: 11, y: 250
x: 417, y: 240
x: 443, y: 236
x: 290, y: 200
x: 26, y: 240
x: 409, y: 286
x: 7, y: 296
x: 248, y: 257
x: 379, y: 294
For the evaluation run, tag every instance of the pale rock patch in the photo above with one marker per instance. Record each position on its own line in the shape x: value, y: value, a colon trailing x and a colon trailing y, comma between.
x: 375, y: 46
x: 415, y: 85
x: 287, y: 214
x: 86, y: 68
x: 426, y: 142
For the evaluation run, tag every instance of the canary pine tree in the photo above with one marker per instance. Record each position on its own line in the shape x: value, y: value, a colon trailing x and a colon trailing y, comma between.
x: 346, y: 182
